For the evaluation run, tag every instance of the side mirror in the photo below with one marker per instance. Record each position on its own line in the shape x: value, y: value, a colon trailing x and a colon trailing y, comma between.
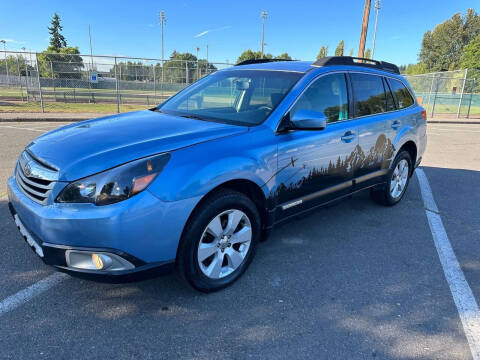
x: 308, y: 120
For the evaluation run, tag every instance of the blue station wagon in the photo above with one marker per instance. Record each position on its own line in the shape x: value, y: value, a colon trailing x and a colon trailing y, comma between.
x: 198, y: 181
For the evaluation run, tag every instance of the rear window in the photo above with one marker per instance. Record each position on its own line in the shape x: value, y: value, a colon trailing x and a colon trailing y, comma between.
x: 404, y: 99
x: 369, y: 94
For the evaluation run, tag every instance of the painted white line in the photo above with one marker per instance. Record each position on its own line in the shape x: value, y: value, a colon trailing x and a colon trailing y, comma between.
x: 462, y: 294
x: 27, y: 294
x: 19, y: 128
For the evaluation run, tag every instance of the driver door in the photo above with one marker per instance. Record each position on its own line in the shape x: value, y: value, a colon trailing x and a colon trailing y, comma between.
x: 315, y: 166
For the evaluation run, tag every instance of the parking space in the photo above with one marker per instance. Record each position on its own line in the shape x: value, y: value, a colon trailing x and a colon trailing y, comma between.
x: 352, y: 281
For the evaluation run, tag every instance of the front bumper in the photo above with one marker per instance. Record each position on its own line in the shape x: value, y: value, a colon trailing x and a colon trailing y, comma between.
x: 143, y: 229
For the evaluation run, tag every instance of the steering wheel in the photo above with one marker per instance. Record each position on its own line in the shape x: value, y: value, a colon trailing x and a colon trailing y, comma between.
x: 265, y: 107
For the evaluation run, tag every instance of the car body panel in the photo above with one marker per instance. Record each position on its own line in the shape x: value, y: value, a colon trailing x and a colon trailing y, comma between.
x: 100, y: 144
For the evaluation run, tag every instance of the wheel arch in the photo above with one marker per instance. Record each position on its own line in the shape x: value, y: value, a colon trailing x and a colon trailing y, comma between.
x: 411, y: 148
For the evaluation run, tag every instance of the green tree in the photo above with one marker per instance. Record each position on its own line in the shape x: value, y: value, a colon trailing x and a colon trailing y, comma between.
x: 351, y: 52
x: 368, y: 54
x: 471, y: 55
x: 57, y: 40
x: 414, y: 69
x: 323, y: 52
x: 284, y: 56
x: 442, y: 48
x: 65, y: 62
x: 340, y: 48
x: 252, y: 55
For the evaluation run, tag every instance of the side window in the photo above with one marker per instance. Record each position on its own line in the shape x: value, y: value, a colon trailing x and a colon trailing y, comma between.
x: 390, y: 101
x: 369, y: 94
x: 403, y: 96
x: 327, y: 94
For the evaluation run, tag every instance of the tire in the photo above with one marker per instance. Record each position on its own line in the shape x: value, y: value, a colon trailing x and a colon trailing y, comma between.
x: 384, y: 195
x: 230, y: 249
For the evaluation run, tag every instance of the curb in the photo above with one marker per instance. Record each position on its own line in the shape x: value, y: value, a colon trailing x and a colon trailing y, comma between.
x: 453, y: 122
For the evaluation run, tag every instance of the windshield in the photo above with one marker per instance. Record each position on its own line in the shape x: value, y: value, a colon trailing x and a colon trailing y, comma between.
x: 241, y: 97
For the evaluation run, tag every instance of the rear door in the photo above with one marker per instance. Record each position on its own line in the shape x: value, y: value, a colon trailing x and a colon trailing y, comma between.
x: 372, y: 109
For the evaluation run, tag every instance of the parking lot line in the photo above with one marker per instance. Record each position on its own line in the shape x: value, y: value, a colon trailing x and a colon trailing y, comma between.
x: 27, y: 294
x: 20, y: 128
x: 462, y: 293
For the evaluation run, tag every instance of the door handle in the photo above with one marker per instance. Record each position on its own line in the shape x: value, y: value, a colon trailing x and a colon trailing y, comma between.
x: 348, y: 136
x: 396, y: 124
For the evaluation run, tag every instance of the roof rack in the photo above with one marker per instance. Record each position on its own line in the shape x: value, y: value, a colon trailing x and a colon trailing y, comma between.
x: 259, y: 61
x: 356, y: 61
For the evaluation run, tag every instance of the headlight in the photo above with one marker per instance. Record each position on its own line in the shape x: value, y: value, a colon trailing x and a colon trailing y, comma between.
x: 116, y: 184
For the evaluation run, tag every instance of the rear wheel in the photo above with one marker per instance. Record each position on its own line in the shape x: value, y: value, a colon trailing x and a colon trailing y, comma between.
x: 397, y: 182
x: 218, y: 242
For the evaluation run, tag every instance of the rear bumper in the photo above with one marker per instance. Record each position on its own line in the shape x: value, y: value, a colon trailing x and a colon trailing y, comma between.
x: 143, y: 230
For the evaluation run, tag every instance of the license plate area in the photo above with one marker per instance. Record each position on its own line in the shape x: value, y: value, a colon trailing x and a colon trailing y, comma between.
x: 28, y: 238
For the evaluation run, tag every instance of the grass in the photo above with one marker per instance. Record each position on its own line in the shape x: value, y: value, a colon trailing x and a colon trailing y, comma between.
x: 70, y: 108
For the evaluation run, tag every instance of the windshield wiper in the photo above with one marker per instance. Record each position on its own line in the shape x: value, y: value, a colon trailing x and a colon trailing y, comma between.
x: 193, y: 117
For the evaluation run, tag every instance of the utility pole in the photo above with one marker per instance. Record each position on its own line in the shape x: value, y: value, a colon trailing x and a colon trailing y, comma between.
x: 6, y: 62
x: 377, y: 8
x: 91, y: 52
x: 162, y: 19
x: 363, y: 36
x: 263, y: 16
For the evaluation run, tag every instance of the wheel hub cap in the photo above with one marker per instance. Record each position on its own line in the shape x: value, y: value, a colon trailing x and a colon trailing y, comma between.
x: 399, y: 179
x: 224, y: 244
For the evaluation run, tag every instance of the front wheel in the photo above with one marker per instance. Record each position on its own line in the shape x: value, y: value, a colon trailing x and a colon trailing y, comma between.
x: 398, y: 179
x: 218, y: 243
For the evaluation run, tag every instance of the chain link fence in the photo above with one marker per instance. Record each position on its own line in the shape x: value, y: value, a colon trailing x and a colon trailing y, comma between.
x: 453, y: 94
x: 39, y: 82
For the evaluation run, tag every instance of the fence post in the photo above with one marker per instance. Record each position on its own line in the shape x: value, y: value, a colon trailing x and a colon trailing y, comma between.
x: 53, y: 81
x: 186, y: 72
x: 39, y: 85
x: 435, y: 96
x: 470, y: 101
x: 26, y: 77
x: 430, y: 91
x: 19, y: 77
x: 154, y: 83
x: 116, y: 86
x: 461, y: 95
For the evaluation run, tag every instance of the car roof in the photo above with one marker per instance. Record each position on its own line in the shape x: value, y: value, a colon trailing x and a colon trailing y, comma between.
x: 305, y: 66
x: 297, y: 66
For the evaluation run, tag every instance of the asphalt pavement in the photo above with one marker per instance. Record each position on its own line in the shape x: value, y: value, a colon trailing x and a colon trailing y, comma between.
x: 351, y: 281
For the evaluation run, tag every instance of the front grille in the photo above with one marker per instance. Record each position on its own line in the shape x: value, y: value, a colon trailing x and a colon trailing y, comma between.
x: 38, y: 184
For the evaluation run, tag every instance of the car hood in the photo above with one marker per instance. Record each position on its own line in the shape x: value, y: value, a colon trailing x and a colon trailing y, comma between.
x: 91, y: 146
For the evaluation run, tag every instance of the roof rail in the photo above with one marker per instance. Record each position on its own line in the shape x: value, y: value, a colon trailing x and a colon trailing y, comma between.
x: 356, y: 61
x: 259, y: 61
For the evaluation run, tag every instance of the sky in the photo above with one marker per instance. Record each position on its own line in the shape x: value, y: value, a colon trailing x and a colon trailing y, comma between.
x: 299, y: 27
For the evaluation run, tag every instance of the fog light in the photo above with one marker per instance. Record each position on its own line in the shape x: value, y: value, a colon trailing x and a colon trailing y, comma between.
x: 96, y: 261
x: 101, y: 261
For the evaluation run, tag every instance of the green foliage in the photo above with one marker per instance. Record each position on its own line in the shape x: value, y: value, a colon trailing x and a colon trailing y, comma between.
x: 65, y: 63
x: 340, y: 48
x: 252, y: 55
x: 351, y: 52
x: 283, y: 56
x: 323, y: 52
x: 17, y: 65
x: 368, y: 54
x: 442, y: 48
x: 471, y: 55
x: 414, y: 69
x: 57, y: 40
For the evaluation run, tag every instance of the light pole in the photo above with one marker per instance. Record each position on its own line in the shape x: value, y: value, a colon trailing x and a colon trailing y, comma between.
x: 377, y: 8
x: 263, y: 16
x: 162, y: 20
x: 6, y: 62
x: 198, y: 49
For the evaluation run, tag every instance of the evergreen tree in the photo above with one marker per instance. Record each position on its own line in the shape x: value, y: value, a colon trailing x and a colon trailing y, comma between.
x: 57, y: 40
x: 323, y: 52
x: 368, y: 54
x: 340, y: 48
